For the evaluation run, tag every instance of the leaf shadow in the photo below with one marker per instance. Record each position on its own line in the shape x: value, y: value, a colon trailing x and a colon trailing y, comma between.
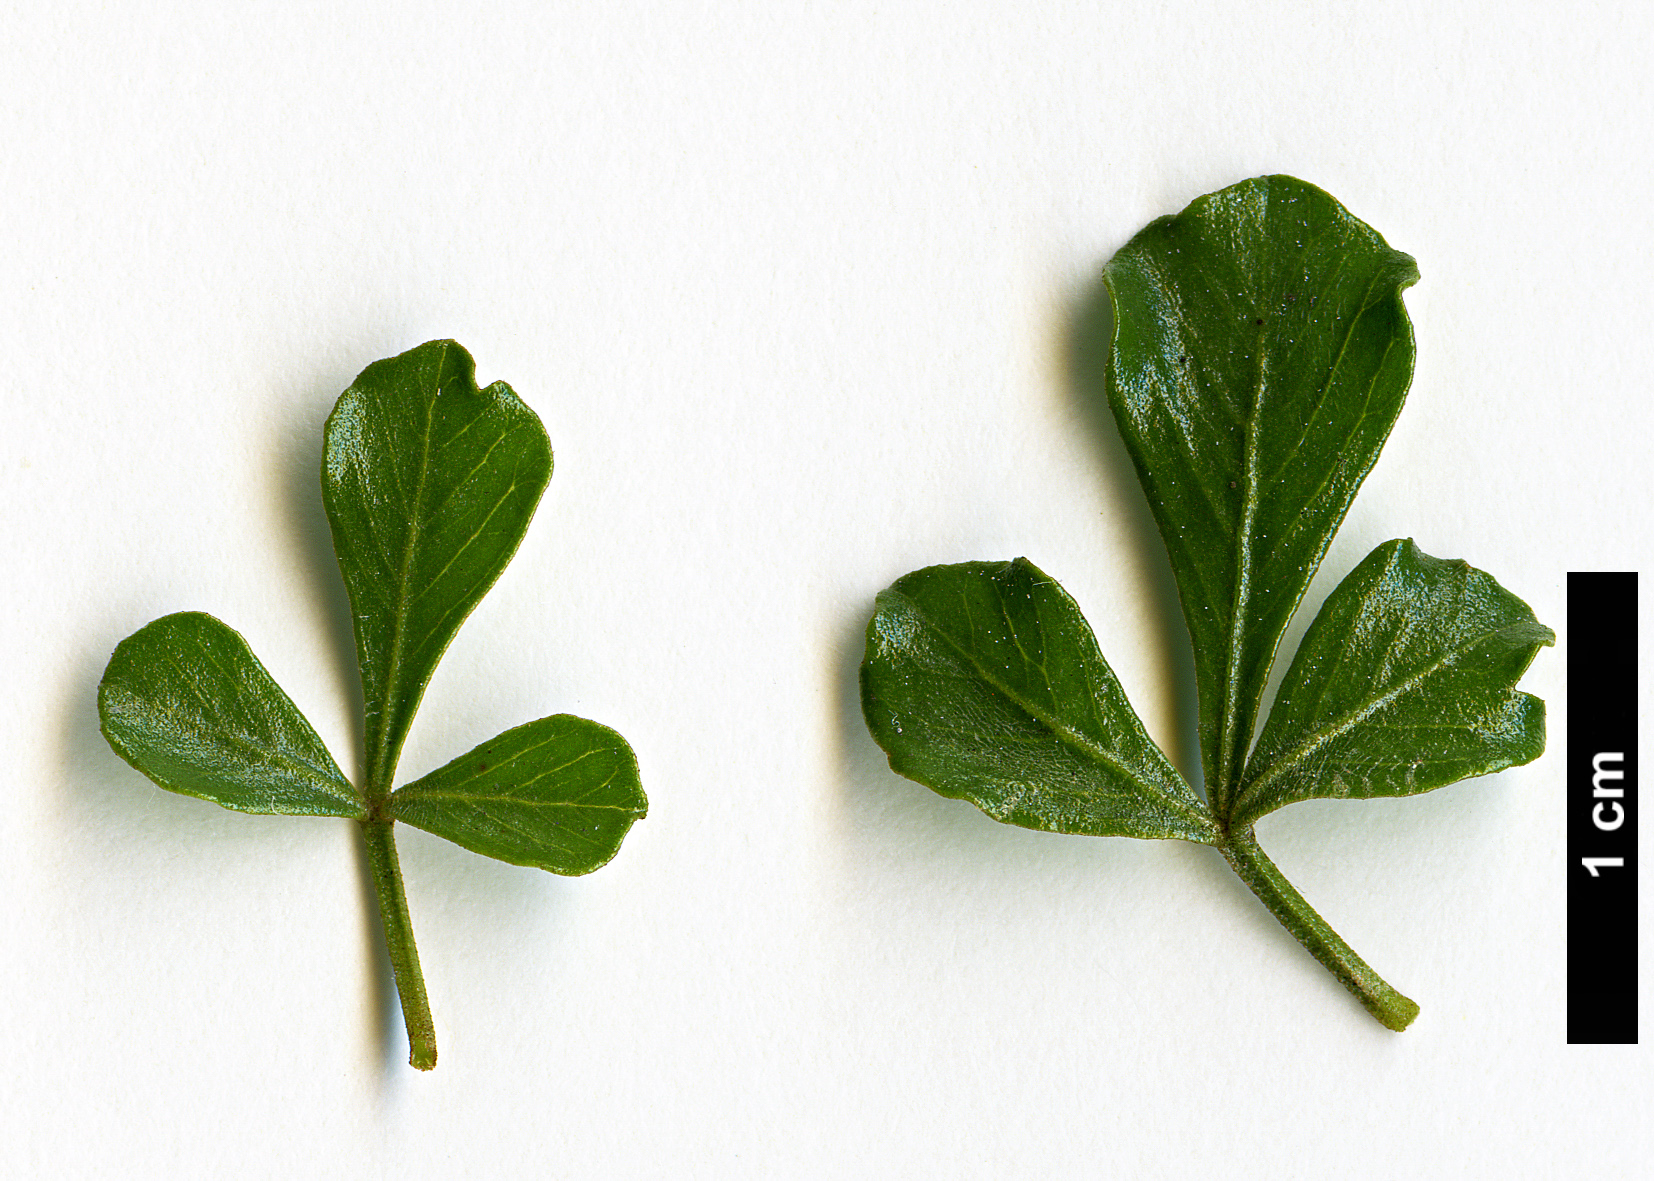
x: 1085, y: 340
x: 920, y: 876
x: 308, y: 533
x: 133, y: 824
x: 165, y: 823
x: 298, y: 474
x: 103, y: 780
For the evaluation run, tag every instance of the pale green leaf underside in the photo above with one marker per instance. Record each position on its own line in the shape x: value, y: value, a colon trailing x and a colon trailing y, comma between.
x: 1260, y: 356
x: 983, y: 681
x: 559, y: 793
x: 429, y: 485
x: 1402, y: 684
x: 185, y: 701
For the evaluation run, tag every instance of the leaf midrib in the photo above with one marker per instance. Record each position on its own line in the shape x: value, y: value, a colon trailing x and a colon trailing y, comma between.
x: 425, y: 793
x: 1232, y: 760
x: 1239, y: 622
x: 267, y: 756
x: 384, y: 768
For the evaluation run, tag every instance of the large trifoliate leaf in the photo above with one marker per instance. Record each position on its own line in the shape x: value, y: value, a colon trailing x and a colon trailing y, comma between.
x: 1257, y: 357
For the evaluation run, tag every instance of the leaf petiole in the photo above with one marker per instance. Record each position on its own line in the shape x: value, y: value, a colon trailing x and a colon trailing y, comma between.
x: 1241, y: 850
x: 399, y: 941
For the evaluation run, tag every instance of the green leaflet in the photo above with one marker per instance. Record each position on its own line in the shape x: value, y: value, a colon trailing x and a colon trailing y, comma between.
x: 558, y: 794
x: 1402, y: 684
x: 429, y: 485
x: 185, y: 701
x: 984, y: 682
x: 1259, y: 356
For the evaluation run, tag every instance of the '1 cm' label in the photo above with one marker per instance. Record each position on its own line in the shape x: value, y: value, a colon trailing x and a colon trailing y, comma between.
x: 1607, y: 813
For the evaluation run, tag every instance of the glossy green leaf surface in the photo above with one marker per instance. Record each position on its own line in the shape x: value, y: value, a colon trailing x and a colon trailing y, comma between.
x: 559, y: 793
x: 185, y: 701
x: 984, y: 682
x: 1260, y: 356
x: 429, y: 484
x: 1402, y: 684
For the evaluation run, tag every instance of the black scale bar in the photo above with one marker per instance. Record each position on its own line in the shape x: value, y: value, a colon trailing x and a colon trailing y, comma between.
x: 1602, y: 808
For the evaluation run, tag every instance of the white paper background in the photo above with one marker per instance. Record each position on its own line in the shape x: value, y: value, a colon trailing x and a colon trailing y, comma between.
x: 790, y: 285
